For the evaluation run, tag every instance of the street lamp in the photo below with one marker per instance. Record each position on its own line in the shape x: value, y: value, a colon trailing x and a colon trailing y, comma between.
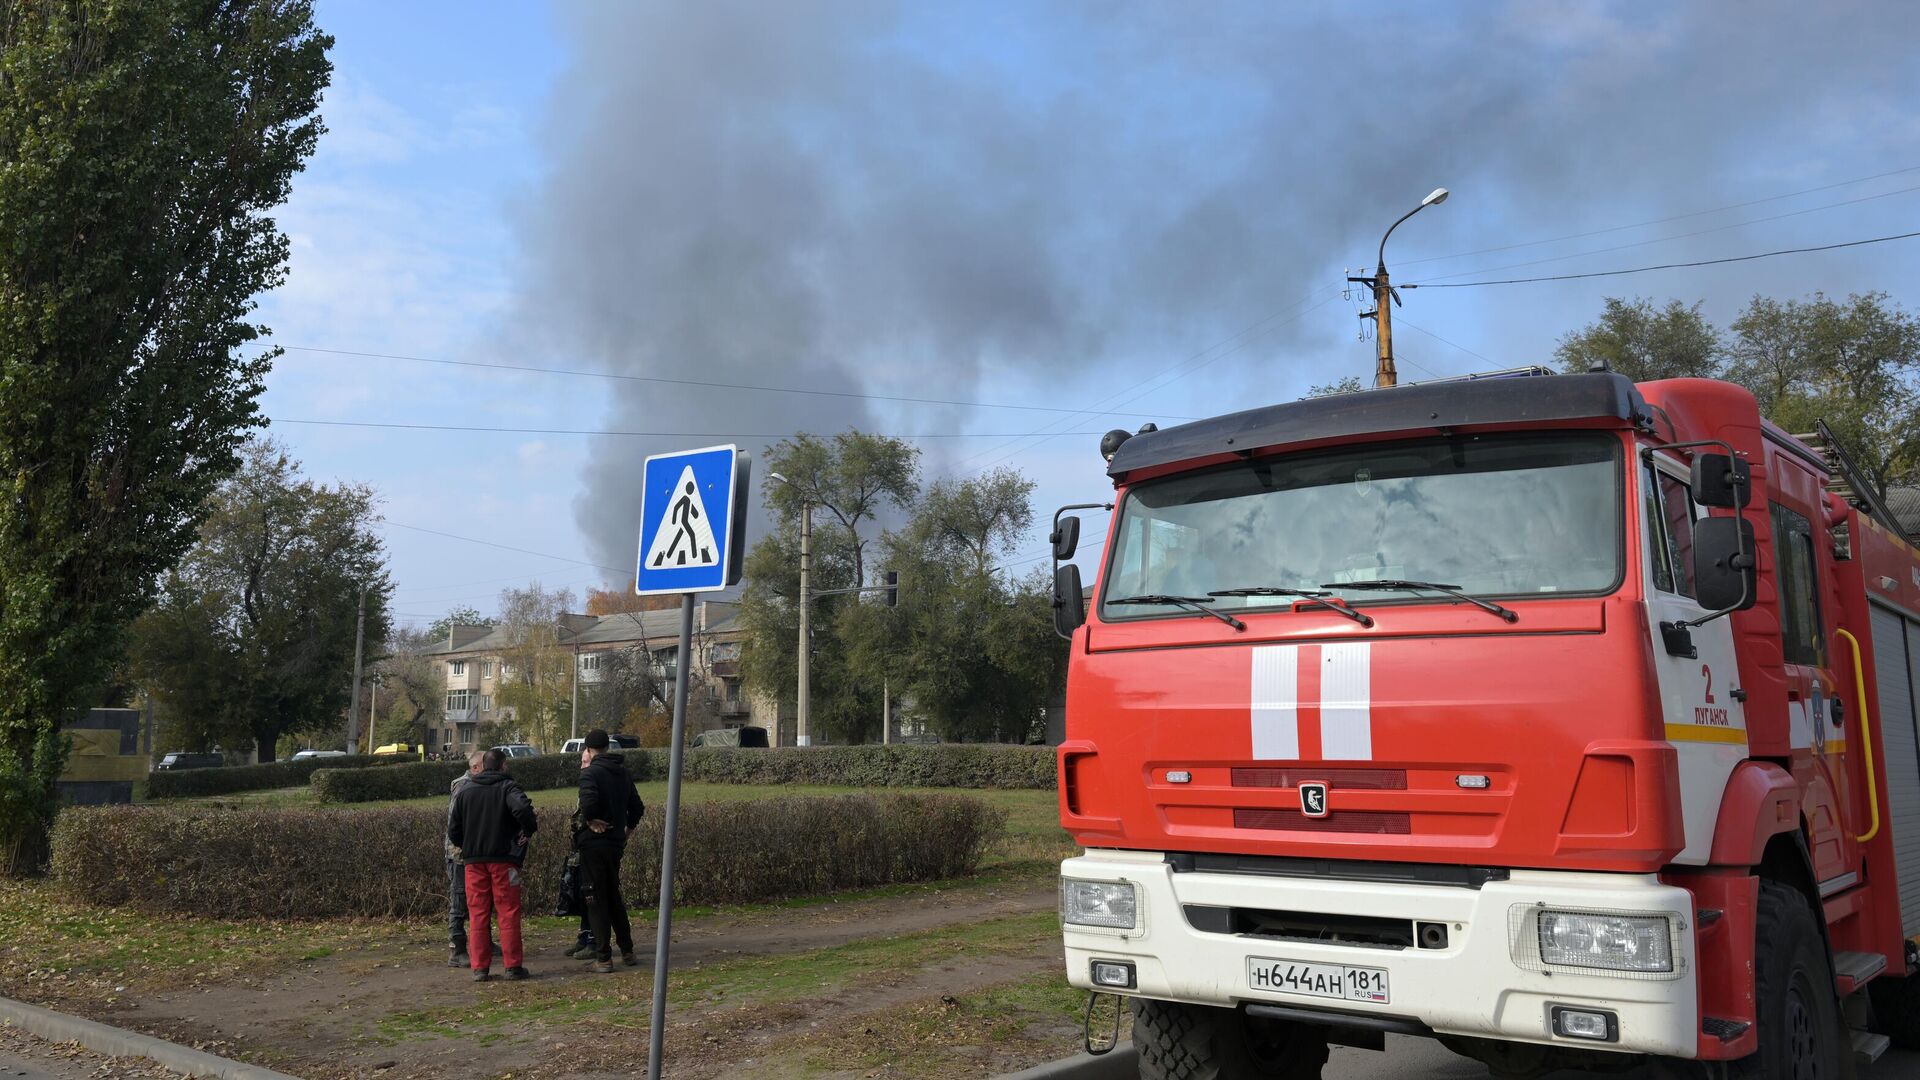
x: 802, y: 736
x: 1384, y: 297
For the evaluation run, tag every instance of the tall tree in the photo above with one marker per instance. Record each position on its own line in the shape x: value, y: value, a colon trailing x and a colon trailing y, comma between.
x: 536, y: 681
x: 971, y: 648
x: 1851, y: 363
x: 272, y: 590
x: 143, y: 147
x: 850, y: 477
x: 1644, y: 343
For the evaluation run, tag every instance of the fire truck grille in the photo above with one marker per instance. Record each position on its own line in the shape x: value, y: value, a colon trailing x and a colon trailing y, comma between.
x: 1377, y: 822
x: 1351, y: 779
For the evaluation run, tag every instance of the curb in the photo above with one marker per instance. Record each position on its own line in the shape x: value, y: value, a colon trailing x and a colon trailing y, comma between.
x: 1122, y: 1063
x: 118, y: 1042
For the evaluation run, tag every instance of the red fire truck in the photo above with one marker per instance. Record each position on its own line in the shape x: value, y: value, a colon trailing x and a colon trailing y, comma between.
x: 1559, y: 718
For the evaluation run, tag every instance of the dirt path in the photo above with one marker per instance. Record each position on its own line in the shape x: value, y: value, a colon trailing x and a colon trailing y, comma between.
x: 335, y: 1016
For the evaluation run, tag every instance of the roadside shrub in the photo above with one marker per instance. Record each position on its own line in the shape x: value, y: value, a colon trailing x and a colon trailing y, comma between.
x: 421, y: 779
x: 278, y: 863
x: 232, y: 779
x: 961, y: 765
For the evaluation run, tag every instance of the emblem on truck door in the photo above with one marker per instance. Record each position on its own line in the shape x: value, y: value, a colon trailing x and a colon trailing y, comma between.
x: 1313, y: 799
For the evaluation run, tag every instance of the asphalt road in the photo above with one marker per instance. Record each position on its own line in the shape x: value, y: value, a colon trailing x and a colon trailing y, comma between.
x: 1424, y: 1059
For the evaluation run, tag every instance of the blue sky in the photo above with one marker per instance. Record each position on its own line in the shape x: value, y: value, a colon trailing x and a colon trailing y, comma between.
x: 1081, y: 206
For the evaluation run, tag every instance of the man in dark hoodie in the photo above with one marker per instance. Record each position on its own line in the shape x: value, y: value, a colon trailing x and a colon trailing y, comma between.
x: 457, y: 875
x: 491, y: 822
x: 609, y: 808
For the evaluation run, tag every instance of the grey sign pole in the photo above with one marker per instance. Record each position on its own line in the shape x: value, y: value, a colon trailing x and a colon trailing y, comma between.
x: 676, y: 753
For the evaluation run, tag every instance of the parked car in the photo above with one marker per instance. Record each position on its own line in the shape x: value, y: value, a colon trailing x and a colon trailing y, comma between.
x: 747, y: 737
x: 308, y: 755
x: 518, y: 749
x: 618, y: 742
x: 183, y: 760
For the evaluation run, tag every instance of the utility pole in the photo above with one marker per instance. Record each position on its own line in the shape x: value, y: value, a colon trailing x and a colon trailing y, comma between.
x: 359, y: 637
x: 1384, y: 298
x: 573, y: 731
x: 1384, y: 373
x: 373, y: 708
x: 886, y: 711
x: 801, y: 735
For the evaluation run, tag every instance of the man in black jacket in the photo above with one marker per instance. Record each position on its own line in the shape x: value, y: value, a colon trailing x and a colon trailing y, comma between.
x: 609, y: 808
x: 490, y: 823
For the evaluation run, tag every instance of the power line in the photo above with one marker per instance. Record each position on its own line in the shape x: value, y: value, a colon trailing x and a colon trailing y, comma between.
x: 706, y: 384
x: 1666, y: 220
x: 1403, y: 322
x: 1676, y: 236
x: 502, y: 547
x: 1666, y: 266
x: 648, y: 434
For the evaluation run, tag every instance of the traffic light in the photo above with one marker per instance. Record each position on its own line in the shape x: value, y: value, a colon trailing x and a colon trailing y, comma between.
x: 893, y: 587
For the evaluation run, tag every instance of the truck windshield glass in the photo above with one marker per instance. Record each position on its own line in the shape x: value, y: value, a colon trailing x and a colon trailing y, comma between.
x: 1510, y: 516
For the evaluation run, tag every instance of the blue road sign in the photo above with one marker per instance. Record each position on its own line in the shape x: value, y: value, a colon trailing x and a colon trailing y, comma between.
x: 690, y: 529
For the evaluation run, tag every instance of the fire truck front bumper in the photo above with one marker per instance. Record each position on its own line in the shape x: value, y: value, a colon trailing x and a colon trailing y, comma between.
x: 1592, y: 960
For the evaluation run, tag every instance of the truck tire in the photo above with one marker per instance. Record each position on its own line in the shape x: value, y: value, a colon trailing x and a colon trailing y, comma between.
x: 1198, y: 1042
x: 1802, y: 1036
x: 1896, y: 1009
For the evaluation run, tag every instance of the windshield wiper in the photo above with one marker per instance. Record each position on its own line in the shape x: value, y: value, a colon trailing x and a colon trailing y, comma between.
x: 1191, y: 603
x: 1397, y: 585
x: 1312, y: 596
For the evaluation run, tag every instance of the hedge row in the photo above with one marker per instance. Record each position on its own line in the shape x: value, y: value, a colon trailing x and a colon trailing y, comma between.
x: 231, y: 779
x: 948, y: 765
x: 421, y: 779
x: 301, y: 863
x: 957, y: 765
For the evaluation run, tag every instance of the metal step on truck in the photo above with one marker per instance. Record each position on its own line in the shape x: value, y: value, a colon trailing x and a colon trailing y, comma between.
x: 1568, y: 721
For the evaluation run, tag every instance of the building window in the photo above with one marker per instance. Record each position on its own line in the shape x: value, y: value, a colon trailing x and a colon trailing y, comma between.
x: 486, y: 669
x: 458, y: 700
x: 459, y: 667
x: 486, y: 702
x: 590, y: 662
x: 1800, y: 636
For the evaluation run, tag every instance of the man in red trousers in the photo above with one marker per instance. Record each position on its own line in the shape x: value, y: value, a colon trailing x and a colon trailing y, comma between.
x: 490, y: 824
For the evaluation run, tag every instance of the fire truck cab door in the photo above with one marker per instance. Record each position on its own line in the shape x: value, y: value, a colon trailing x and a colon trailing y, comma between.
x: 1704, y: 720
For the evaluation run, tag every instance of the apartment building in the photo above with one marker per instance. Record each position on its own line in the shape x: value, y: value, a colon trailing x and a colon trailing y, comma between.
x: 476, y: 669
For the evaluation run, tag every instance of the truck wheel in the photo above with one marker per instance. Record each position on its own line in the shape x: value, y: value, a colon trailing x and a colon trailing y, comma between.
x: 1198, y: 1042
x: 1896, y: 1009
x: 1801, y: 1033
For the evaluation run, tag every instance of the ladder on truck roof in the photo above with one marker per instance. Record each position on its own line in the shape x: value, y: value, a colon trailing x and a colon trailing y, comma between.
x: 1844, y: 478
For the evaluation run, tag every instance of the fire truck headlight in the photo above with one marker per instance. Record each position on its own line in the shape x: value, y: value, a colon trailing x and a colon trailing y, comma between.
x: 1112, y: 904
x: 1605, y: 942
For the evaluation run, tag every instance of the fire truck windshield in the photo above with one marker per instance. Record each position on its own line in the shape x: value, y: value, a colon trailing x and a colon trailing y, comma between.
x: 1508, y: 515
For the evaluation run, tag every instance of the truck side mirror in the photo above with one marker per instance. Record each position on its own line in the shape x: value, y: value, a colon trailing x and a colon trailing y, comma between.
x: 1065, y: 538
x: 1069, y: 601
x: 1721, y: 481
x: 1724, y: 572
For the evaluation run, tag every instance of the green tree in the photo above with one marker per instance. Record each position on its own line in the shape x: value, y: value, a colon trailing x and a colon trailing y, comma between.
x: 256, y: 629
x: 536, y: 676
x: 143, y: 147
x: 849, y: 477
x: 463, y: 615
x: 1349, y: 384
x: 1645, y: 343
x: 972, y: 650
x: 1851, y: 363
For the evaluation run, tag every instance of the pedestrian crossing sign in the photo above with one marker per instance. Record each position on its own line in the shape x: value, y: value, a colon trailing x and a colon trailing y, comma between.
x: 692, y: 507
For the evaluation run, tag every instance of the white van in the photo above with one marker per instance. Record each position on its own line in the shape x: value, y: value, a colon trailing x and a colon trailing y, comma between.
x: 616, y: 742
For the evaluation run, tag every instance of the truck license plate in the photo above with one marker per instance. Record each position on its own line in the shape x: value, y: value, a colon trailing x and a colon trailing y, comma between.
x: 1317, y: 980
